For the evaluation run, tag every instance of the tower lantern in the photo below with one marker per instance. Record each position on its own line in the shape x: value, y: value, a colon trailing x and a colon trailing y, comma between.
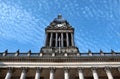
x: 59, y: 34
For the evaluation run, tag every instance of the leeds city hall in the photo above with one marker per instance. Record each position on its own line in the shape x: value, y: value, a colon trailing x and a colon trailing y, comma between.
x: 59, y: 59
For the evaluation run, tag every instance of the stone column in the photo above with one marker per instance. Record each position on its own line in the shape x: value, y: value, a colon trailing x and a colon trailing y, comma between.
x: 46, y: 41
x: 61, y: 39
x: 66, y: 73
x: 52, y: 72
x: 37, y: 75
x: 72, y: 39
x: 80, y: 73
x: 67, y: 39
x: 95, y: 75
x: 51, y: 36
x: 9, y: 74
x: 56, y: 40
x: 23, y: 74
x: 109, y: 74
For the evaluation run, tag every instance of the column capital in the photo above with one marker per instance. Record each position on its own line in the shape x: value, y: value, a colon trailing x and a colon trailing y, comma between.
x: 52, y: 69
x: 66, y: 69
x: 38, y: 69
x: 24, y: 69
x: 80, y: 68
x: 107, y: 68
x: 94, y: 72
x: 11, y: 69
x: 94, y: 68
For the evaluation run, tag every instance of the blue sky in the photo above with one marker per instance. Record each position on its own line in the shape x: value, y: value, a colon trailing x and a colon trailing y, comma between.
x: 96, y: 23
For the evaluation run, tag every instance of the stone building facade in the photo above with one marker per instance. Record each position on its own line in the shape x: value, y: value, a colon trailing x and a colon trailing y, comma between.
x: 59, y: 59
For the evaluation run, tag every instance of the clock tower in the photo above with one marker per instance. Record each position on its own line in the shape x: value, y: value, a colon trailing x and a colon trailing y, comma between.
x: 59, y: 39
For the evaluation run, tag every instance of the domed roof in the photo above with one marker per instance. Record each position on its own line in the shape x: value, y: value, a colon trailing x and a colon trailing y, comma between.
x: 59, y: 19
x: 59, y: 22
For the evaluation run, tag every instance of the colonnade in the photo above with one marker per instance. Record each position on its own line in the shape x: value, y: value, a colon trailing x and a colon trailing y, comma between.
x: 66, y: 73
x: 66, y: 39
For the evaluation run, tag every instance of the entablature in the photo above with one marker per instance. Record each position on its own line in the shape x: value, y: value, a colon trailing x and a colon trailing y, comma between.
x: 58, y: 31
x: 60, y: 59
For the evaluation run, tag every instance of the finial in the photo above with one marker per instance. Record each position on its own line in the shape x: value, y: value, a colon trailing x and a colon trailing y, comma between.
x: 59, y: 16
x: 112, y: 50
x: 18, y: 51
x: 101, y: 51
x: 89, y: 51
x: 6, y: 51
x: 29, y: 51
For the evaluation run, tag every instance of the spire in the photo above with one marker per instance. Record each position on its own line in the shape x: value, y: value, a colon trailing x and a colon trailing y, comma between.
x: 59, y: 38
x: 6, y: 51
x: 59, y: 22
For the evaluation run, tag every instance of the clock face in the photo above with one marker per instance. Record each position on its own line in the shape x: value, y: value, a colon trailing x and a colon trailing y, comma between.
x: 59, y: 25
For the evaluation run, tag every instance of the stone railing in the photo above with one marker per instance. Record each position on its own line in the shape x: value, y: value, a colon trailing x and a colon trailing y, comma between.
x: 50, y: 54
x: 56, y: 54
